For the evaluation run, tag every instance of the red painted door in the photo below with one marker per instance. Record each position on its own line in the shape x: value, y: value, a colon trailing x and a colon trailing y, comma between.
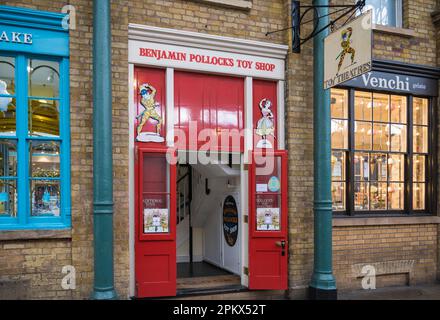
x: 155, y: 245
x: 268, y: 237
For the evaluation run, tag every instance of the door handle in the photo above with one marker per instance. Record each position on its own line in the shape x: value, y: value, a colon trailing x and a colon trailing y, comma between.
x: 281, y: 244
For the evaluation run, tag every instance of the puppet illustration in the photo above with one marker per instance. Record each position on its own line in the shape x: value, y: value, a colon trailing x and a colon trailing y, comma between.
x: 265, y: 126
x: 148, y: 94
x: 346, y: 47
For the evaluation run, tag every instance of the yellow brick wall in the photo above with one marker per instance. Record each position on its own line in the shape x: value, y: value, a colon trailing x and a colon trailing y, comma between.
x: 373, y: 244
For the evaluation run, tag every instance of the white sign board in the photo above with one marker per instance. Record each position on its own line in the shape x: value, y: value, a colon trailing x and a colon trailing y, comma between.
x: 164, y: 55
x: 347, y: 51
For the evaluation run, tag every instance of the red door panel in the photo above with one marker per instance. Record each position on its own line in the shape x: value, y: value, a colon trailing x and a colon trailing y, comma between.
x: 155, y: 244
x: 204, y: 106
x: 268, y: 246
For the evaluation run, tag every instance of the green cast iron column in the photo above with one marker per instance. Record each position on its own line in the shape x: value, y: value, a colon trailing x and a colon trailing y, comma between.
x: 323, y: 284
x: 102, y: 153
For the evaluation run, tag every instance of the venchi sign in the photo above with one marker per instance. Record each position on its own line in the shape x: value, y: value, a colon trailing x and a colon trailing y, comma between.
x: 347, y: 52
x: 399, y: 83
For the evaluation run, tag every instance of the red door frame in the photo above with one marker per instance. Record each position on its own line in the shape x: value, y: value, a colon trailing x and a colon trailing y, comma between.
x: 154, y: 245
x: 268, y: 242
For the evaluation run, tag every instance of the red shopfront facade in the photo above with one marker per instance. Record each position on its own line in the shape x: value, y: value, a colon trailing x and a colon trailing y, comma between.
x: 201, y: 94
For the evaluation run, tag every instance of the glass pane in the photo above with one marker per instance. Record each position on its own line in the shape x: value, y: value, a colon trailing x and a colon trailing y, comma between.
x: 338, y: 165
x: 45, y: 198
x: 419, y: 173
x: 339, y: 103
x: 157, y: 182
x: 45, y: 159
x: 395, y: 196
x: 155, y: 215
x: 378, y: 167
x: 44, y: 78
x: 398, y: 109
x: 8, y: 158
x: 384, y: 11
x: 398, y: 137
x: 7, y: 116
x: 338, y: 195
x: 268, y: 174
x: 380, y: 137
x: 8, y: 198
x: 362, y: 135
x: 396, y: 167
x: 7, y: 78
x: 420, y: 139
x: 381, y: 107
x: 361, y: 167
x: 363, y: 105
x: 419, y: 196
x: 44, y: 118
x: 378, y: 196
x: 268, y: 212
x: 155, y: 196
x: 361, y: 195
x: 420, y: 111
x: 339, y: 134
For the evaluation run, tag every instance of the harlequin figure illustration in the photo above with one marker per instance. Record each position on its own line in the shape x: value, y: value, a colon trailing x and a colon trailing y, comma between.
x: 346, y: 48
x: 148, y: 93
x: 265, y: 125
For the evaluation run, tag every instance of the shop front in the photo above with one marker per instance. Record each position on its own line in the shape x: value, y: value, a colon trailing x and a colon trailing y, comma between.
x: 383, y: 143
x: 208, y: 160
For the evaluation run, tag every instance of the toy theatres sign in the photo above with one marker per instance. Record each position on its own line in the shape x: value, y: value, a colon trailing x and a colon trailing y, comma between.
x: 347, y: 52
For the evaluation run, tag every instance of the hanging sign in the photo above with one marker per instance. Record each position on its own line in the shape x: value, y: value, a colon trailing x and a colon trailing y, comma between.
x: 230, y: 221
x: 347, y: 51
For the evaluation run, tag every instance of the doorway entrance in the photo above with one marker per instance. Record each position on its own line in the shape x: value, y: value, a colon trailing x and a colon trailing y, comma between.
x: 216, y: 221
x: 209, y: 217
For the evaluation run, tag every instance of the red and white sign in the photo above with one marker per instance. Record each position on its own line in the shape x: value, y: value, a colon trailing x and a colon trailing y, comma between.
x: 155, y: 54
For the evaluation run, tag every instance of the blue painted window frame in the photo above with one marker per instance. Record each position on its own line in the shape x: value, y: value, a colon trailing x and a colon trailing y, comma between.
x: 23, y: 219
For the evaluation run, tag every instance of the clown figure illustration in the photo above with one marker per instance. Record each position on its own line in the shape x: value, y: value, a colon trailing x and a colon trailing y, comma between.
x: 148, y: 94
x: 346, y: 47
x: 265, y: 126
x: 4, y: 101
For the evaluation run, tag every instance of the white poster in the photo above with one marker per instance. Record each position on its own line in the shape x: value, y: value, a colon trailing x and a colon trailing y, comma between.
x: 268, y: 219
x: 156, y: 220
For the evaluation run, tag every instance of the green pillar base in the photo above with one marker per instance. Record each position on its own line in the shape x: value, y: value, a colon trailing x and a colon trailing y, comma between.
x: 104, y: 294
x: 322, y: 294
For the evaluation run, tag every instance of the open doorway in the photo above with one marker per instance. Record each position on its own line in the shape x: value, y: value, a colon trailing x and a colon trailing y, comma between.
x: 208, y: 240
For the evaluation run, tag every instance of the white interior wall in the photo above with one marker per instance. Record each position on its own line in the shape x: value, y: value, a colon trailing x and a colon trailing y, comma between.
x: 207, y: 218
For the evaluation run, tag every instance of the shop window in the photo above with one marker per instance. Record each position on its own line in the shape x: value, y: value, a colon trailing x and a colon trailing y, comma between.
x: 34, y: 143
x: 380, y: 152
x: 385, y: 12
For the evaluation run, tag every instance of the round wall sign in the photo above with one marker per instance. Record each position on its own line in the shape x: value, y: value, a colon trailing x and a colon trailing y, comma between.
x: 273, y: 184
x: 230, y: 220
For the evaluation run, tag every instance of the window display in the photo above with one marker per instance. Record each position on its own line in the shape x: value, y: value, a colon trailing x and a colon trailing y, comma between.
x: 374, y: 153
